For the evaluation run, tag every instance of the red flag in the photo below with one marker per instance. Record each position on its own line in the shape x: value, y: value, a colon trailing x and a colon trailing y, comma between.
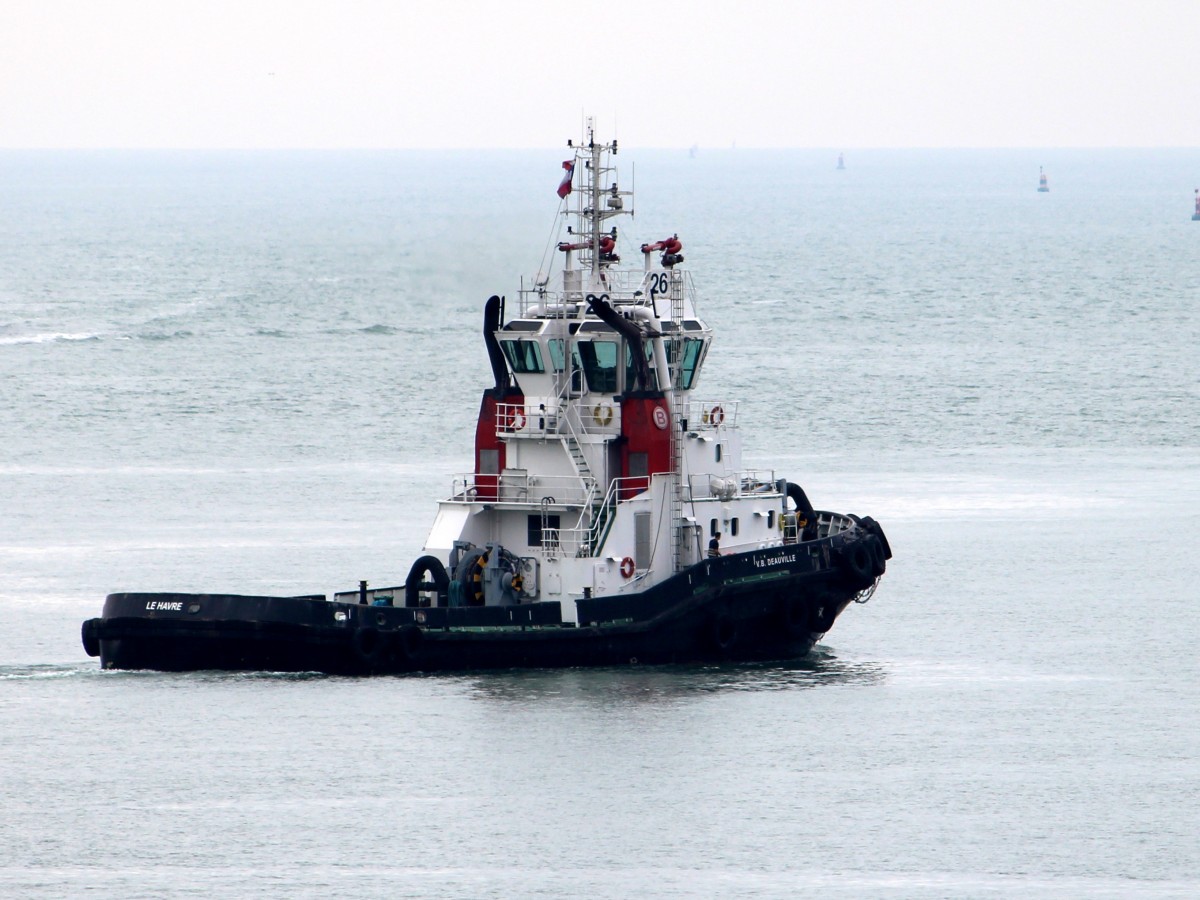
x: 564, y: 186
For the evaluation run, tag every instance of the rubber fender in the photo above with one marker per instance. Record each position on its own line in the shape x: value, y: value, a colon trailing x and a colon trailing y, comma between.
x: 878, y: 559
x: 724, y: 632
x: 858, y: 562
x: 409, y: 641
x: 370, y: 645
x: 873, y: 527
x: 91, y: 637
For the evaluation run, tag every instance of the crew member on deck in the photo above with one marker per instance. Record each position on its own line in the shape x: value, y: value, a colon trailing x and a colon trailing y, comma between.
x: 714, y: 545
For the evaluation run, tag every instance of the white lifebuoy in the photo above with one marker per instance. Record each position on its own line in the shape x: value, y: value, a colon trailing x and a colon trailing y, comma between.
x: 518, y: 421
x: 627, y: 567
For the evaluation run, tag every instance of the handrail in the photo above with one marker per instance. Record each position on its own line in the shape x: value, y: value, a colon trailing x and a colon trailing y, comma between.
x: 624, y: 286
x: 517, y: 490
x: 707, y: 415
x: 586, y: 540
x: 524, y: 420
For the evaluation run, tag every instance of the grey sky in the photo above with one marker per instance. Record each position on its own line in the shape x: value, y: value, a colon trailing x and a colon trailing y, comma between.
x: 664, y: 73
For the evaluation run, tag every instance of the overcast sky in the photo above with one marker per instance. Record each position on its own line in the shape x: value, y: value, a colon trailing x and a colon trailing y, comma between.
x: 521, y: 73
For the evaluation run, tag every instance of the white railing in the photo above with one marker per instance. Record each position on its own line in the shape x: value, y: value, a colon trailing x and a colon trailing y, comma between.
x: 706, y: 415
x: 635, y: 287
x: 519, y: 489
x: 710, y: 486
x: 587, y: 538
x: 535, y: 419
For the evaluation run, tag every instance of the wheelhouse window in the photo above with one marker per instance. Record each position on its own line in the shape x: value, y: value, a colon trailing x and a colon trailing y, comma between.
x: 631, y: 372
x: 524, y: 356
x: 685, y: 365
x: 599, y: 360
x: 558, y: 359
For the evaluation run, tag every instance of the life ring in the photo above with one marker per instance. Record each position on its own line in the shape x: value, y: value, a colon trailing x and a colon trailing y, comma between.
x: 627, y: 567
x: 370, y: 646
x: 517, y: 421
x: 716, y: 415
x: 603, y: 414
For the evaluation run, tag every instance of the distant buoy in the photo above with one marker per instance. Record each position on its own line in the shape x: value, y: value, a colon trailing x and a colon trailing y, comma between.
x: 1043, y: 185
x: 841, y: 161
x: 1196, y: 214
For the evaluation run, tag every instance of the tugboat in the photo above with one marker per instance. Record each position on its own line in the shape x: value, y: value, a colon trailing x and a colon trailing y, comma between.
x: 1196, y: 214
x: 608, y: 519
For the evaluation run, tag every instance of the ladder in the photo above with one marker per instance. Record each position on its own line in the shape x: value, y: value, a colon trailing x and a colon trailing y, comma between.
x: 676, y: 488
x: 570, y: 439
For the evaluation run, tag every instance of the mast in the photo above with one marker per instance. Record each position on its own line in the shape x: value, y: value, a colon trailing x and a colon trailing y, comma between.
x: 594, y: 172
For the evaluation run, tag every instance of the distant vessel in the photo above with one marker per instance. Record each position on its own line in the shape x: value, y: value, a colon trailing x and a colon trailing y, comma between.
x: 1196, y: 214
x: 1043, y: 185
x: 608, y: 520
x: 841, y: 161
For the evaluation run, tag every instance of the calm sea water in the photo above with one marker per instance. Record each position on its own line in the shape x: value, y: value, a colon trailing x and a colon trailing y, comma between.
x: 258, y: 372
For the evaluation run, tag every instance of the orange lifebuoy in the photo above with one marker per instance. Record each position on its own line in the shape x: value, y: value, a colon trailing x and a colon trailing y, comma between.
x: 716, y: 415
x: 518, y: 421
x: 627, y: 567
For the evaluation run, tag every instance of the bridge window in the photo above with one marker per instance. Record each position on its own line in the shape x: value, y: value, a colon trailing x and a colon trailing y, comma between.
x: 687, y: 364
x: 631, y: 372
x: 524, y: 356
x: 599, y: 359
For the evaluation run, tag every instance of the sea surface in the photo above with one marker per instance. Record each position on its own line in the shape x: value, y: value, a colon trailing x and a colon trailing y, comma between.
x: 258, y: 372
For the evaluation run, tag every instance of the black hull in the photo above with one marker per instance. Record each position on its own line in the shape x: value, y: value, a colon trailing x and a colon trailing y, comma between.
x: 756, y: 606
